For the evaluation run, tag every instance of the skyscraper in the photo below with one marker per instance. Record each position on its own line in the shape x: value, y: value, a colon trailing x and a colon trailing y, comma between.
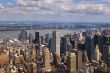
x: 56, y: 59
x: 96, y: 54
x: 85, y: 57
x: 55, y: 46
x: 96, y: 38
x: 42, y: 40
x: 36, y: 41
x: 47, y: 58
x: 89, y: 46
x: 103, y: 40
x: 23, y: 35
x: 105, y: 53
x: 29, y: 68
x: 79, y: 59
x: 47, y: 39
x: 71, y: 63
x: 108, y: 57
x: 30, y: 38
x: 63, y: 45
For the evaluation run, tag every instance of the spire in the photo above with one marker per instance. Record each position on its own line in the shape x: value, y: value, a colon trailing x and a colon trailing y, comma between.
x: 97, y: 47
x: 85, y: 57
x: 96, y: 55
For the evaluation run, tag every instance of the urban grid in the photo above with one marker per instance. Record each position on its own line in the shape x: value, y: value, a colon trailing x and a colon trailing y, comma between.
x: 80, y: 52
x: 54, y: 36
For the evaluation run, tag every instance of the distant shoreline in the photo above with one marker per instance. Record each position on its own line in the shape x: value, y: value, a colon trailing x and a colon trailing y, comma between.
x: 33, y: 29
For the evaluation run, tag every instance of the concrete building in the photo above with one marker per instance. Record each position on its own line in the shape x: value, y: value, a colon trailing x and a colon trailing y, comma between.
x: 42, y: 40
x: 85, y: 57
x: 23, y: 35
x: 55, y: 46
x: 108, y: 61
x: 63, y: 45
x: 71, y: 63
x: 47, y: 58
x: 96, y: 54
x: 47, y: 38
x: 36, y: 41
x: 30, y: 38
x: 89, y: 46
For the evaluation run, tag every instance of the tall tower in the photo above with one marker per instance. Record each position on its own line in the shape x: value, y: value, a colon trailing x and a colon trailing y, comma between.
x: 29, y: 68
x: 55, y: 46
x: 42, y: 40
x: 79, y: 59
x: 96, y: 54
x: 23, y: 35
x: 105, y: 52
x: 106, y: 55
x: 103, y: 40
x: 71, y: 63
x: 108, y: 58
x: 47, y: 38
x: 89, y: 46
x: 30, y: 38
x: 36, y: 38
x: 63, y: 45
x: 85, y: 57
x: 47, y: 58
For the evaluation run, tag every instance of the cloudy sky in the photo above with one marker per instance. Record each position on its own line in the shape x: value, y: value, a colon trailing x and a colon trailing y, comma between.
x: 55, y: 10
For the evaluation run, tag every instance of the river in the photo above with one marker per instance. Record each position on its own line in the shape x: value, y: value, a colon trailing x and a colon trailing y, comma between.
x: 14, y: 34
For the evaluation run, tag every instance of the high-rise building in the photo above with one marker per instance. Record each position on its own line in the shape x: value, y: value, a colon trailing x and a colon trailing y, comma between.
x: 96, y: 39
x: 71, y: 63
x: 56, y: 59
x: 96, y: 54
x: 79, y: 59
x: 47, y: 39
x: 29, y: 68
x: 63, y: 45
x: 108, y: 57
x: 103, y: 40
x: 73, y: 43
x: 33, y: 55
x: 23, y: 35
x: 108, y: 64
x: 50, y: 44
x: 6, y: 41
x: 36, y: 41
x: 47, y: 58
x: 105, y: 53
x: 109, y: 51
x: 68, y: 47
x: 42, y: 40
x: 30, y: 38
x: 55, y: 46
x: 85, y: 57
x: 89, y: 46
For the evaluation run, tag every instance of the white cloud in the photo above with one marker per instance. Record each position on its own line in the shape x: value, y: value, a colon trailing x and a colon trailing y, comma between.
x: 20, y: 2
x: 64, y: 6
x: 1, y: 6
x: 56, y: 7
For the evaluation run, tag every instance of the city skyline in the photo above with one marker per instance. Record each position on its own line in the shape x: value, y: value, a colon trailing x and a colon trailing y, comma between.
x: 55, y: 10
